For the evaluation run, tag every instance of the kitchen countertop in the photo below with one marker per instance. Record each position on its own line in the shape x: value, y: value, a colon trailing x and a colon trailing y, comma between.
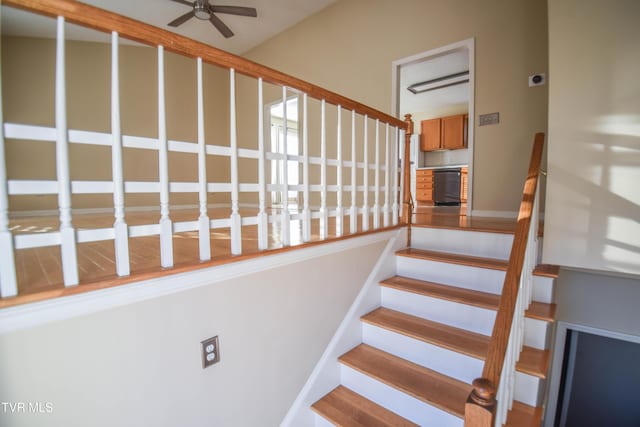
x: 443, y: 167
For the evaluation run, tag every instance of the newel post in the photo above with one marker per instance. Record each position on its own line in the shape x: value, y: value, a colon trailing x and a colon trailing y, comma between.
x: 407, y: 207
x: 480, y: 409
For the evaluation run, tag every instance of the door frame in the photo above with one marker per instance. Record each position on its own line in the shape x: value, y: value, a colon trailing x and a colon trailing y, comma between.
x: 557, y: 357
x: 396, y: 65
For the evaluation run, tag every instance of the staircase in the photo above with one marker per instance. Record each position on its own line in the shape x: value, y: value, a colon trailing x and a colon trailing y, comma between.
x: 427, y: 342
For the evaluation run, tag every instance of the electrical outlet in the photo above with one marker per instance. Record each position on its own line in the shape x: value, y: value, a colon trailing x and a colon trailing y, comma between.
x: 210, y: 352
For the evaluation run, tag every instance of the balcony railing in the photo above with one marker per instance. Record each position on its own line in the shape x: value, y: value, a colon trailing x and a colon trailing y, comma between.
x: 358, y: 186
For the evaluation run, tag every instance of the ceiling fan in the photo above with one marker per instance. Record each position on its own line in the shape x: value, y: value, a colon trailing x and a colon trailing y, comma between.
x: 203, y: 10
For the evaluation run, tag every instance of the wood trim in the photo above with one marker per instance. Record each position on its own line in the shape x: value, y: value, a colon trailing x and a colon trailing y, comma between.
x: 406, y: 175
x: 502, y: 326
x: 105, y: 21
x: 157, y: 273
x: 547, y: 270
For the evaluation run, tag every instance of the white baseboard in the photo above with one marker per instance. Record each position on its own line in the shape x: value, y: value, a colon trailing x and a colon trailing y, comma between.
x: 326, y: 374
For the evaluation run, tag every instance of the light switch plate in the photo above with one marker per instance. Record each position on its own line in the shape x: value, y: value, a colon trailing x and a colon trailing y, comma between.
x: 489, y: 119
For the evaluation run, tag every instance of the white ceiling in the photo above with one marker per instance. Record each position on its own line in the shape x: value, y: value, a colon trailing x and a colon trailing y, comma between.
x: 274, y: 16
x: 428, y: 69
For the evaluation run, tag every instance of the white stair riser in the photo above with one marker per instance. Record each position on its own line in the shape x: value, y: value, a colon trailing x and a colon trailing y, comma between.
x: 474, y: 319
x: 323, y: 422
x: 477, y: 243
x: 543, y: 289
x: 461, y: 276
x: 453, y: 364
x: 396, y: 401
x: 537, y: 333
x: 528, y: 389
x: 471, y: 318
x: 448, y: 362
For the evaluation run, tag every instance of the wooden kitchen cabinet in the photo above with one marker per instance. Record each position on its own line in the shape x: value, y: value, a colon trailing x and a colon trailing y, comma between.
x: 424, y: 185
x: 430, y: 134
x: 445, y: 133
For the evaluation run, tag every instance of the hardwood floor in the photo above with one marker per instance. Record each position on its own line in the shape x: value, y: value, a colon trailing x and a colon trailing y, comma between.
x: 455, y: 217
x: 40, y: 274
x: 39, y: 270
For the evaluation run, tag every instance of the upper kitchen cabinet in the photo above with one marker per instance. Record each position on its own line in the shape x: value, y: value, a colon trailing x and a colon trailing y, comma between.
x: 445, y: 133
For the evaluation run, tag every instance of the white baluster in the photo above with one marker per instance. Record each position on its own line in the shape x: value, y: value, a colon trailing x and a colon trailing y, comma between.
x: 394, y: 170
x: 236, y: 219
x: 353, y: 215
x: 120, y: 229
x: 365, y: 203
x: 306, y: 211
x: 263, y: 218
x: 67, y: 233
x: 324, y: 215
x: 285, y: 217
x: 166, y: 226
x: 339, y: 212
x: 8, y: 281
x: 385, y: 209
x: 376, y: 194
x: 203, y: 219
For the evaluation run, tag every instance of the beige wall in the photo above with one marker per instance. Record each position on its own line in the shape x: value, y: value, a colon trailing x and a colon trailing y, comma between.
x: 349, y: 47
x: 28, y: 82
x: 139, y: 365
x: 28, y: 66
x: 593, y: 195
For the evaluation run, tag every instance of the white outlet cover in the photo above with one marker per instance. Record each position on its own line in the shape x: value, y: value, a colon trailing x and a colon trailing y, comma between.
x: 537, y: 79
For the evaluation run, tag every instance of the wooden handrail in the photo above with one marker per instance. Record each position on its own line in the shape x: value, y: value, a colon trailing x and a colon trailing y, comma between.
x: 102, y: 20
x: 480, y: 408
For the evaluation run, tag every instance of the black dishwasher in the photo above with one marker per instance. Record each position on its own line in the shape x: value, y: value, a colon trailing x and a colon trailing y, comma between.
x: 446, y: 187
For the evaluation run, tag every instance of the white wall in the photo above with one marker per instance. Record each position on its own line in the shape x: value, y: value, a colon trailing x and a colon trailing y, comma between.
x: 139, y: 365
x: 593, y: 196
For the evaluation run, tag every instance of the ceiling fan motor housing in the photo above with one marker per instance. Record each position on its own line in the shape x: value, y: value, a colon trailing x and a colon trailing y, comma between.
x: 201, y: 9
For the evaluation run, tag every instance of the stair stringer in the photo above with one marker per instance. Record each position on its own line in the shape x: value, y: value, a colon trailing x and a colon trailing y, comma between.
x: 326, y: 374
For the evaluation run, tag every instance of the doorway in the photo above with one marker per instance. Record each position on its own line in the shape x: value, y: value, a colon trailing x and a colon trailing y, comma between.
x: 594, y: 378
x: 435, y: 84
x: 284, y: 133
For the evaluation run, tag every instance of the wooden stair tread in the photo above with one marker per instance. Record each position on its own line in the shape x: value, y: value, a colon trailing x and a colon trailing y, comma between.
x: 532, y: 361
x: 438, y: 290
x: 428, y: 218
x: 522, y: 415
x: 547, y: 270
x: 541, y: 311
x: 346, y: 408
x: 472, y: 261
x: 431, y: 387
x: 536, y: 310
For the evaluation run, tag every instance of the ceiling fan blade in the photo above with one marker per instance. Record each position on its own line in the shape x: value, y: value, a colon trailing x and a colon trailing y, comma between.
x: 186, y: 3
x: 234, y: 10
x: 221, y: 26
x: 182, y: 19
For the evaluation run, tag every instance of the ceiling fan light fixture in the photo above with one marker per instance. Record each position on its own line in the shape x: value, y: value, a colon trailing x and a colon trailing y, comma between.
x: 201, y: 10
